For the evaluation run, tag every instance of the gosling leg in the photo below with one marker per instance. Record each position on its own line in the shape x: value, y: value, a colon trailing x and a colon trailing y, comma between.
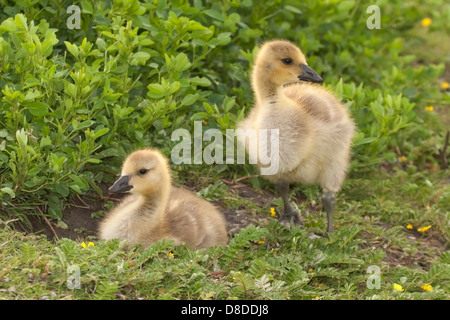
x: 329, y: 203
x: 291, y: 215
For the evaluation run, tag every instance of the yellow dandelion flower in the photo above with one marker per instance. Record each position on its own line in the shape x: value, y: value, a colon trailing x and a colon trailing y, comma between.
x: 427, y: 287
x: 428, y: 207
x: 83, y: 245
x: 445, y: 85
x: 260, y: 241
x: 90, y: 244
x: 401, y: 159
x: 398, y: 287
x: 272, y: 212
x: 310, y: 270
x: 171, y: 255
x: 409, y: 226
x: 426, y: 22
x: 423, y: 229
x: 429, y: 108
x: 317, y: 298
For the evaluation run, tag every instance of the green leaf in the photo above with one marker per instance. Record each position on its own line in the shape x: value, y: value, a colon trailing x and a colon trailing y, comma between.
x: 345, y: 5
x: 73, y: 49
x: 209, y: 109
x: 123, y: 112
x: 253, y: 33
x: 156, y: 89
x: 38, y: 109
x: 31, y: 95
x: 174, y: 87
x: 145, y: 42
x: 224, y: 38
x: 94, y: 160
x: 229, y: 103
x: 21, y: 22
x: 139, y: 58
x: 181, y: 62
x: 8, y: 25
x: 3, y: 133
x: 46, y: 48
x: 101, y: 132
x: 214, y: 14
x: 199, y: 116
x: 21, y: 137
x: 85, y: 124
x: 190, y: 99
x: 293, y: 9
x: 70, y: 89
x: 55, y: 206
x: 31, y: 82
x: 87, y: 7
x: 76, y: 188
x: 200, y: 81
x: 61, y: 188
x: 363, y: 141
x: 45, y: 142
x: 79, y: 181
x: 8, y: 191
x: 339, y: 88
x: 101, y: 44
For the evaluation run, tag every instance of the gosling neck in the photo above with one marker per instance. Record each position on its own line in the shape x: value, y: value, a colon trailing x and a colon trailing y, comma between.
x: 265, y: 89
x: 154, y: 203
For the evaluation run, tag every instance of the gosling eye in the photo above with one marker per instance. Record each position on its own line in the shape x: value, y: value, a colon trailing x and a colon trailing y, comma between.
x: 287, y: 61
x: 142, y: 171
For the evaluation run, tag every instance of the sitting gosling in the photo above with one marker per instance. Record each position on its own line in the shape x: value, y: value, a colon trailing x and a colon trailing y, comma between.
x: 315, y: 129
x: 157, y: 210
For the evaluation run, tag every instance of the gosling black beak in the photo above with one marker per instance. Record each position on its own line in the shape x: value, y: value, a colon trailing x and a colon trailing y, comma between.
x: 309, y: 75
x: 121, y: 185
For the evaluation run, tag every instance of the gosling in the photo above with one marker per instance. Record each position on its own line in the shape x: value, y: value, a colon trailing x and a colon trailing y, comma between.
x: 156, y: 209
x: 315, y: 129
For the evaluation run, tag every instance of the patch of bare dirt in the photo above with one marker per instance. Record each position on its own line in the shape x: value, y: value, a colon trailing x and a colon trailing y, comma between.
x: 239, y: 219
x: 78, y: 219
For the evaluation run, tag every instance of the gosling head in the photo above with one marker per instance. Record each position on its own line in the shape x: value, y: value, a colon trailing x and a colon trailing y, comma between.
x: 144, y: 172
x: 282, y: 62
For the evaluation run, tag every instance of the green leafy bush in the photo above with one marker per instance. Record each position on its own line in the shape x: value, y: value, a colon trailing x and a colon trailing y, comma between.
x: 379, y: 116
x: 74, y: 111
x: 73, y: 102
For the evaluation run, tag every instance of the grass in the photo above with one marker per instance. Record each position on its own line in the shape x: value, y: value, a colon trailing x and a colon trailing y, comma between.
x: 377, y: 242
x: 264, y: 262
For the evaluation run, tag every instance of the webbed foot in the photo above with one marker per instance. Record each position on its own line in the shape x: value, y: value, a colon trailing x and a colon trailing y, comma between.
x: 290, y: 218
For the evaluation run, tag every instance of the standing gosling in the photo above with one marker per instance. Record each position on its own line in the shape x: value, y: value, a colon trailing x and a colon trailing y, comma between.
x: 315, y: 129
x: 156, y: 209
